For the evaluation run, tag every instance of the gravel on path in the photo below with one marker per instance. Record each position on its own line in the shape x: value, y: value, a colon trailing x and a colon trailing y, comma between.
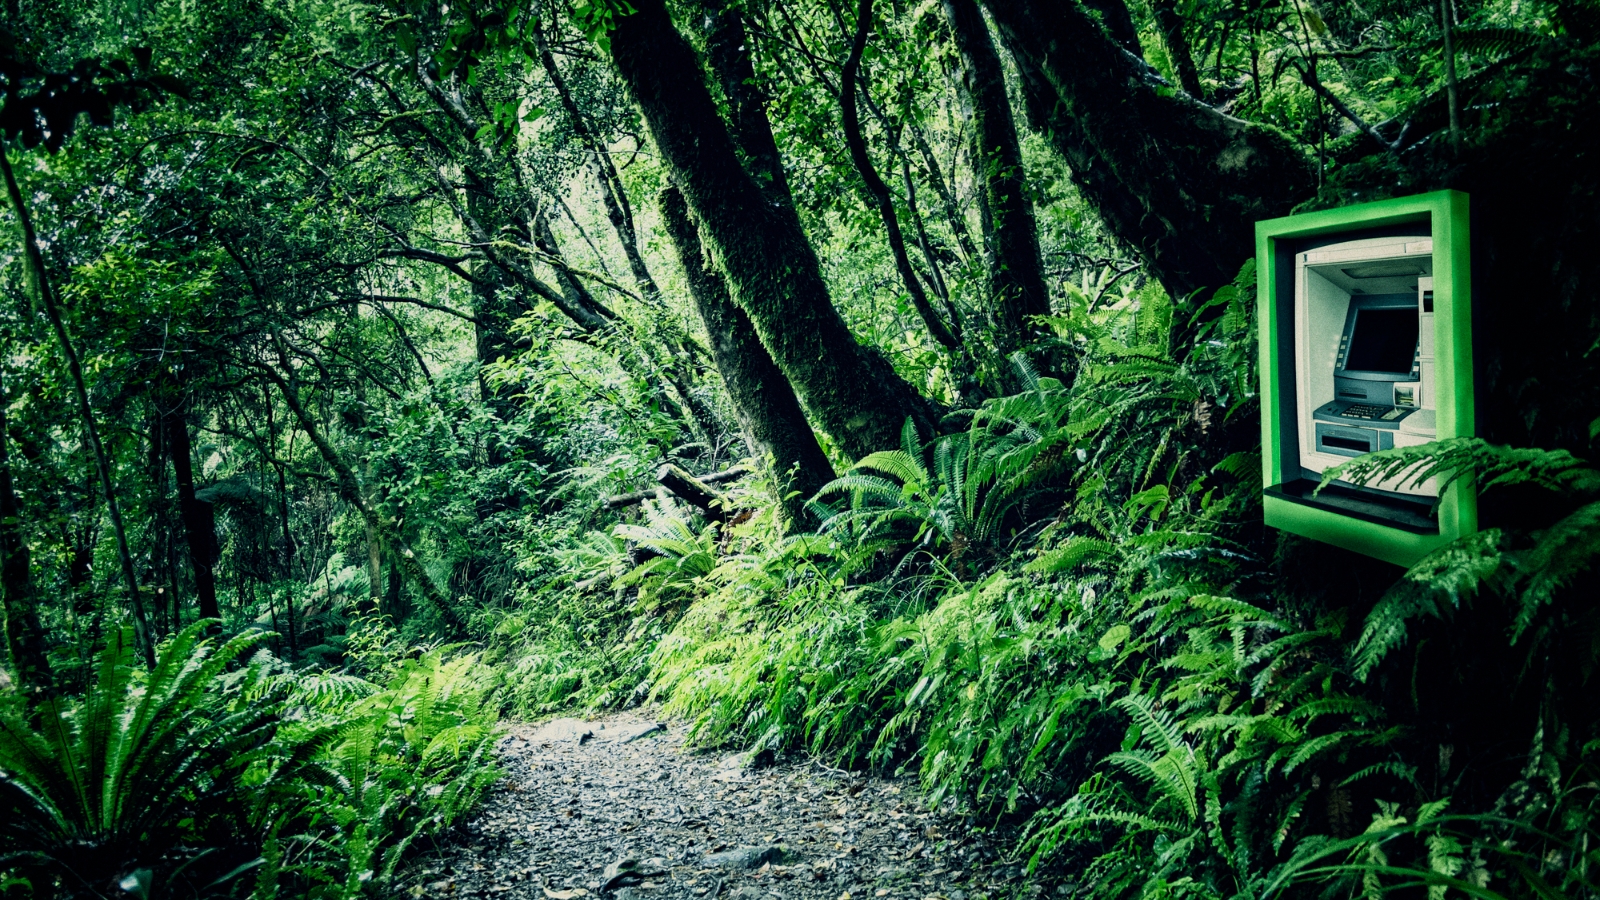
x: 619, y: 809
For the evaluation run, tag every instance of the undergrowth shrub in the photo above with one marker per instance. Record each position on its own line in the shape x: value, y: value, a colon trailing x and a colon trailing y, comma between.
x: 216, y: 776
x: 140, y: 785
x: 398, y: 761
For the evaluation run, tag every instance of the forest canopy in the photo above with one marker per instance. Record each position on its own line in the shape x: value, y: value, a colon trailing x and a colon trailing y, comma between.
x: 873, y: 381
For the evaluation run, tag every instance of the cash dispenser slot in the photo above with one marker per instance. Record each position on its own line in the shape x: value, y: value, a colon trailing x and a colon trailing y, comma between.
x: 1352, y: 441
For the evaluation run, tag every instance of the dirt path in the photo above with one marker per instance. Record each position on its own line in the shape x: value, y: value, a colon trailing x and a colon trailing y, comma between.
x: 617, y: 808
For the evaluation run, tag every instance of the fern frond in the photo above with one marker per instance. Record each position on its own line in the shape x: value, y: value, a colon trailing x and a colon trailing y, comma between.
x: 1496, y: 41
x: 1564, y: 551
x: 897, y: 464
x: 1070, y: 555
x: 1173, y: 773
x: 1437, y: 584
x: 1491, y: 465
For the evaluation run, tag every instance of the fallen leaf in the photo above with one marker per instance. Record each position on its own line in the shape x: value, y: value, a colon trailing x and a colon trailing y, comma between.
x: 571, y: 894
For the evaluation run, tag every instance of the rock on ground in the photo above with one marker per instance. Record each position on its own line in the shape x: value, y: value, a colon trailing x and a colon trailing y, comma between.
x: 618, y: 808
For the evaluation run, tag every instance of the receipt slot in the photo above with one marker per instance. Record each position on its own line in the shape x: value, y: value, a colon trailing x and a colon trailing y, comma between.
x: 1366, y: 345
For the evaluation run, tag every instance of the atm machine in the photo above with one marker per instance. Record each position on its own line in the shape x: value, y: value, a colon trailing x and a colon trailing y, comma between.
x: 1366, y: 345
x: 1364, y: 361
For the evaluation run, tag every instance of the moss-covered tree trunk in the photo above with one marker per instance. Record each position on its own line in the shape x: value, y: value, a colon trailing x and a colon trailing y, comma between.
x: 848, y: 389
x: 728, y: 52
x: 1180, y: 182
x: 1011, y: 237
x: 769, y: 413
x: 1170, y: 23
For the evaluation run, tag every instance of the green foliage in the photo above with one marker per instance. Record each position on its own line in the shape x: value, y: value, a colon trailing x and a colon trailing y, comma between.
x: 1530, y: 570
x: 396, y: 763
x: 1125, y: 671
x: 1488, y: 465
x: 106, y: 787
x: 1060, y: 610
x: 194, y: 780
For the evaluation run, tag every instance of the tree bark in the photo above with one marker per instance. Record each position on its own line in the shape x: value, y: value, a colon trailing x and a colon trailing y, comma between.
x: 768, y: 411
x: 199, y: 524
x: 695, y: 492
x: 1118, y: 24
x: 1178, y: 181
x: 728, y: 52
x: 877, y: 189
x: 1011, y: 236
x: 1177, y: 41
x: 43, y: 294
x: 850, y: 390
x: 288, y: 554
x: 374, y: 550
x: 24, y: 635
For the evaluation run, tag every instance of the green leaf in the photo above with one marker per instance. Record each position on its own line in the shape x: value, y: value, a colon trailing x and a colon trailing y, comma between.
x: 1114, y: 637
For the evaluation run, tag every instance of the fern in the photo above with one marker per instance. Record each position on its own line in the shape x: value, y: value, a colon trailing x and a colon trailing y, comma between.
x: 1437, y: 585
x: 122, y: 777
x: 1563, y: 552
x: 1489, y: 465
x: 1172, y: 768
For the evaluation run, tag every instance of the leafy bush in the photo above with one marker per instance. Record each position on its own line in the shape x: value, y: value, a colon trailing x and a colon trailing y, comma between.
x: 395, y: 764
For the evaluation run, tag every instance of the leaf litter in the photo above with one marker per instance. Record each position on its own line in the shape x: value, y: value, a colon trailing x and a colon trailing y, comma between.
x: 619, y: 809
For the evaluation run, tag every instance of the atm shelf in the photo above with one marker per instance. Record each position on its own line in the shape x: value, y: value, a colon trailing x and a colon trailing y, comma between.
x: 1416, y: 518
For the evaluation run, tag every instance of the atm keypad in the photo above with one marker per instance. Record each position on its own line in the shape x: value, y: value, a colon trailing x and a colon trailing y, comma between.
x: 1363, y: 411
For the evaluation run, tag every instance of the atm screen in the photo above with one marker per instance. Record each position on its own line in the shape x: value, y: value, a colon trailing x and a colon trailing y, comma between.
x: 1383, y: 340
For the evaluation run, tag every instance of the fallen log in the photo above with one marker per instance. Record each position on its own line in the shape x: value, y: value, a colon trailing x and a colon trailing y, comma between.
x: 666, y: 478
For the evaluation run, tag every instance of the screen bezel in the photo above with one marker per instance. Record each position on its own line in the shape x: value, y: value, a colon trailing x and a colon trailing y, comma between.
x: 1376, y: 301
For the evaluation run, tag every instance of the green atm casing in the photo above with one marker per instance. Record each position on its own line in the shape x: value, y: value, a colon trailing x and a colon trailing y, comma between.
x: 1287, y: 503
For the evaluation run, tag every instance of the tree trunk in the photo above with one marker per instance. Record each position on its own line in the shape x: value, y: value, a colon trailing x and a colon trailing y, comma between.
x: 612, y: 194
x: 576, y: 293
x: 769, y: 413
x: 24, y: 635
x: 350, y: 490
x: 1011, y: 237
x: 392, y: 594
x: 850, y: 390
x: 877, y: 189
x: 728, y: 52
x: 288, y: 555
x: 1118, y: 24
x: 1180, y: 182
x: 199, y: 523
x: 1172, y: 34
x: 374, y: 566
x: 39, y: 286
